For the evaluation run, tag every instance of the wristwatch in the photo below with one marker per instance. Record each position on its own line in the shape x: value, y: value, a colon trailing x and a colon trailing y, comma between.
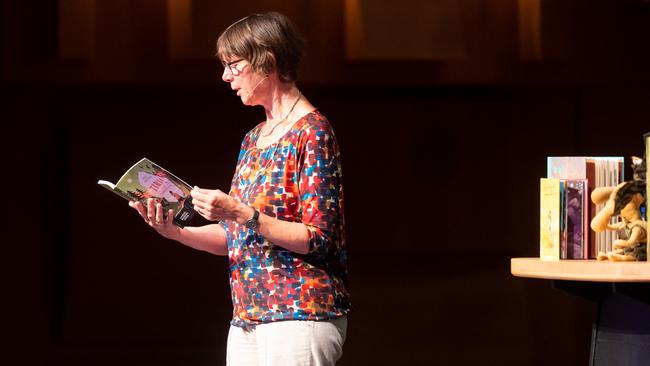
x: 253, y: 222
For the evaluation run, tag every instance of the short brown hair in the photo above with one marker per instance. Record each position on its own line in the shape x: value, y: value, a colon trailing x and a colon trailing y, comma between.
x: 270, y: 42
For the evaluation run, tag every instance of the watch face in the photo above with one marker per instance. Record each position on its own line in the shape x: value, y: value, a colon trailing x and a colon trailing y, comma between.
x: 252, y: 223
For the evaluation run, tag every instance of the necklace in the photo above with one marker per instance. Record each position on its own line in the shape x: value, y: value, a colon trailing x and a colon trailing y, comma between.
x: 285, y: 117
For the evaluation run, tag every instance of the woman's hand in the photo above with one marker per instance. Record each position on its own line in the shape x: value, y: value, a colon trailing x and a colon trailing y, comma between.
x: 154, y: 216
x: 215, y: 205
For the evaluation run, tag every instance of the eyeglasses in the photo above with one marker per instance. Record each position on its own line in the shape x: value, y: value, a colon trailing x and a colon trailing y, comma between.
x: 230, y: 66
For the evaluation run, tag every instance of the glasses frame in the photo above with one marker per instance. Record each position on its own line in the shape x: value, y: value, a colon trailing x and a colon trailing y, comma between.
x: 229, y: 66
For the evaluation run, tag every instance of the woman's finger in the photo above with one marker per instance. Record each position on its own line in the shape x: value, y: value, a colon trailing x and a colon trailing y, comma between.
x: 170, y: 217
x: 138, y: 206
x: 151, y: 214
x: 205, y: 195
x: 159, y: 214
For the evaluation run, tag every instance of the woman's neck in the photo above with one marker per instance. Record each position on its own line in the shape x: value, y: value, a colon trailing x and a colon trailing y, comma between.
x: 279, y: 101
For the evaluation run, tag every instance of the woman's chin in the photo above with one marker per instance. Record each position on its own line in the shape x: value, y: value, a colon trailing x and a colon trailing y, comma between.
x: 247, y: 101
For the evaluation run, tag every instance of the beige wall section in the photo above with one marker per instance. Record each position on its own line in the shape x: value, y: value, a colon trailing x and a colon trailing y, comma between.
x: 529, y: 20
x: 354, y: 29
x: 76, y: 29
x: 116, y: 51
x: 179, y: 29
x: 203, y: 20
x: 194, y: 26
x: 349, y: 41
x: 404, y: 30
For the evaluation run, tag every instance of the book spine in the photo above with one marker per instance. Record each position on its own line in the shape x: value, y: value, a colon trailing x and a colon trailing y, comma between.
x: 586, y: 230
x: 563, y: 222
x: 647, y: 191
x: 592, y: 247
x: 600, y: 237
x: 549, y: 232
x: 608, y: 183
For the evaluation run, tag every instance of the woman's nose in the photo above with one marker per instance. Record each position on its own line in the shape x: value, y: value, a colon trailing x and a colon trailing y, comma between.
x: 226, y: 75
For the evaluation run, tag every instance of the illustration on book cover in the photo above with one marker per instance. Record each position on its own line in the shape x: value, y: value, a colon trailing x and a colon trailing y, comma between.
x: 146, y: 179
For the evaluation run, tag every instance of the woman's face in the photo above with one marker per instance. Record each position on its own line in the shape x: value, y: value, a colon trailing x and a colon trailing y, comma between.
x: 246, y: 82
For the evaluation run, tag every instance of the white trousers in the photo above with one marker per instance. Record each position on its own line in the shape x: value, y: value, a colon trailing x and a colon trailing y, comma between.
x: 287, y: 343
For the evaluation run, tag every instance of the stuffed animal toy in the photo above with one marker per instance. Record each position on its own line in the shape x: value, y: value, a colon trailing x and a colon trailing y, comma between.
x: 626, y: 202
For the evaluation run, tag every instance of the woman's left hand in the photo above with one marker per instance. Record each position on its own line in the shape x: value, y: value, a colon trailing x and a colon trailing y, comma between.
x: 215, y: 205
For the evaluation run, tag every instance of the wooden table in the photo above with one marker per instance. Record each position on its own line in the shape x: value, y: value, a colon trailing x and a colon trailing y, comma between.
x: 581, y: 270
x: 621, y: 334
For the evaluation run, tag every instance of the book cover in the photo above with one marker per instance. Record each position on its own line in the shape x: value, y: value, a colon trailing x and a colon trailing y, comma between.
x: 549, y: 223
x: 577, y: 167
x: 577, y: 231
x: 566, y: 167
x: 145, y: 179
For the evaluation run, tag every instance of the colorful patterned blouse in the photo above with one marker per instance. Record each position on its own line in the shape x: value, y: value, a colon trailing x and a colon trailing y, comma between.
x: 296, y: 179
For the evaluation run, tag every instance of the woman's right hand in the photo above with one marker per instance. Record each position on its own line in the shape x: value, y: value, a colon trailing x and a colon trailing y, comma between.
x: 153, y: 216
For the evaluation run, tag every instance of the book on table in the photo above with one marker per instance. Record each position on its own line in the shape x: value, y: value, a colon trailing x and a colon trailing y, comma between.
x: 575, y: 231
x: 146, y: 179
x: 550, y: 203
x: 563, y: 219
x: 598, y: 171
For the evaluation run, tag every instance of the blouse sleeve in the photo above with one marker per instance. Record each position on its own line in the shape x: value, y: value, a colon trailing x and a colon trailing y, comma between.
x: 321, y: 192
x: 242, y: 150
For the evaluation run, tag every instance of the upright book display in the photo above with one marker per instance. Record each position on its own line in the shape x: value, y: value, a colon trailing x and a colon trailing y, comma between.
x: 598, y: 172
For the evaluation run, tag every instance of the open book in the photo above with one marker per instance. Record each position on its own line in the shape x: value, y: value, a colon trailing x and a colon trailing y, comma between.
x: 145, y: 179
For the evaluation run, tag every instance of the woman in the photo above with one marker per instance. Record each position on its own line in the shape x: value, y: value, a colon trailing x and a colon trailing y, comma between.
x: 282, y: 223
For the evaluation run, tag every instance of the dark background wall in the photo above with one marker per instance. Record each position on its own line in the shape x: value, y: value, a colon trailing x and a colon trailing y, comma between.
x: 442, y: 157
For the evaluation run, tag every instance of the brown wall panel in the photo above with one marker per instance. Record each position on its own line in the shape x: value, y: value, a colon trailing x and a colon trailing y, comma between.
x: 578, y: 41
x: 437, y: 179
x: 441, y: 162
